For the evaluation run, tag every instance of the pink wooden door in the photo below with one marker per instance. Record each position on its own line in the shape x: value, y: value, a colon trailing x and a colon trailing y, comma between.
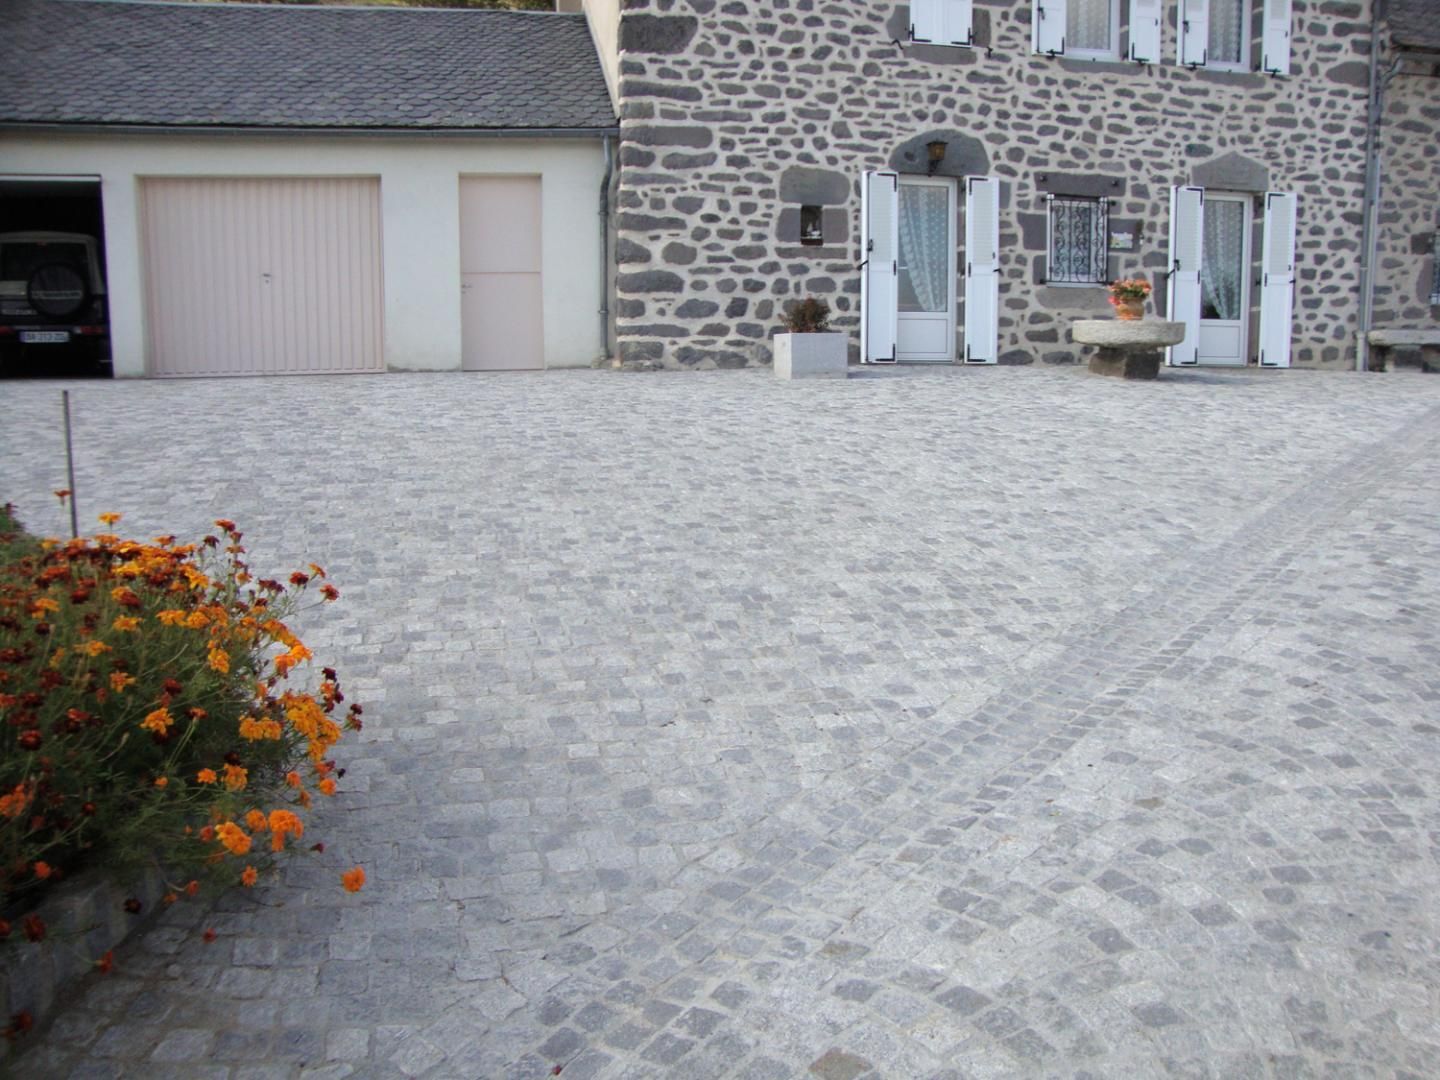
x: 500, y: 274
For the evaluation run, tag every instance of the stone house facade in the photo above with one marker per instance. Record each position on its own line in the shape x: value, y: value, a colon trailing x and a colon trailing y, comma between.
x: 958, y: 178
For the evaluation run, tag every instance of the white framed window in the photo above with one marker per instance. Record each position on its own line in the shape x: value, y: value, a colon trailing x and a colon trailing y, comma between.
x: 1078, y: 231
x: 1092, y: 29
x: 1080, y: 29
x: 1435, y: 267
x: 1228, y: 40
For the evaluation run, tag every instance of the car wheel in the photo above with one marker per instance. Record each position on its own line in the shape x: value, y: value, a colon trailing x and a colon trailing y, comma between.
x: 57, y: 290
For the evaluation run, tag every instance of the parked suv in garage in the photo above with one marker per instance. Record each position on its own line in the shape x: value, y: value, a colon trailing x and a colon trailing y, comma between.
x: 52, y: 299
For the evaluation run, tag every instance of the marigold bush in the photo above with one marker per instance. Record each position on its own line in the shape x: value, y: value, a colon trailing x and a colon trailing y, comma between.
x: 145, y: 712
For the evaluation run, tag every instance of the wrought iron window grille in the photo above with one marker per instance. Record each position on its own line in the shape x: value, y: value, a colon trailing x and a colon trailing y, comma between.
x: 1079, y: 229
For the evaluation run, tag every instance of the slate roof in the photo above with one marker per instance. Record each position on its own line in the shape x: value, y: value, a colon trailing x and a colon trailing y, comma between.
x: 124, y: 63
x: 1415, y: 24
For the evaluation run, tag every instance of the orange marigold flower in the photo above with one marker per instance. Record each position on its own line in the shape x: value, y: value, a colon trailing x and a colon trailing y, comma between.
x: 225, y: 523
x: 109, y: 518
x: 158, y: 721
x: 255, y: 730
x: 192, y: 888
x: 206, y: 776
x: 235, y: 777
x: 353, y: 880
x: 125, y: 597
x: 125, y: 624
x: 329, y: 592
x: 207, y: 833
x: 282, y: 824
x: 43, y: 870
x: 197, y: 620
x: 171, y: 617
x: 41, y: 606
x: 248, y: 876
x: 62, y: 494
x: 292, y: 778
x: 255, y: 821
x: 219, y: 661
x: 93, y: 648
x: 299, y: 580
x: 327, y: 786
x: 119, y: 680
x: 161, y: 782
x: 15, y: 803
x: 169, y: 898
x: 235, y: 839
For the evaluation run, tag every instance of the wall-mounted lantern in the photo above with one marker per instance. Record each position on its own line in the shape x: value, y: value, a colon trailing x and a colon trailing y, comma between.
x: 936, y: 150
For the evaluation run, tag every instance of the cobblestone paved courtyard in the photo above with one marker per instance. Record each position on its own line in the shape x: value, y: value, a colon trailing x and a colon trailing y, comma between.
x: 934, y: 723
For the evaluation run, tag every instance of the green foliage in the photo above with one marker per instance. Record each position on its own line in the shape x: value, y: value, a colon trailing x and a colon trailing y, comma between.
x: 144, y: 712
x: 808, y: 316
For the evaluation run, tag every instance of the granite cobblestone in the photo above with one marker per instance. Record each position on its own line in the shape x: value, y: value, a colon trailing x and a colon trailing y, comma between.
x: 941, y: 723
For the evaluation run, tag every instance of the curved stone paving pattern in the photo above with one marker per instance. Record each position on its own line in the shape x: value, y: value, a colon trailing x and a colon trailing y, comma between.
x: 942, y: 723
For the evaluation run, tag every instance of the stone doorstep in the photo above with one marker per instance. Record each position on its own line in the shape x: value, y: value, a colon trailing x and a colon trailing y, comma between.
x: 85, y: 918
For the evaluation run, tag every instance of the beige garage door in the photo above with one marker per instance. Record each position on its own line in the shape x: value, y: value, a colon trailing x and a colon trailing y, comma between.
x: 262, y: 276
x: 500, y: 273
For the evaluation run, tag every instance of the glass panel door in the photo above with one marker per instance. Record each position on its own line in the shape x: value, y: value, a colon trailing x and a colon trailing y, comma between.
x: 926, y: 330
x: 1224, y: 281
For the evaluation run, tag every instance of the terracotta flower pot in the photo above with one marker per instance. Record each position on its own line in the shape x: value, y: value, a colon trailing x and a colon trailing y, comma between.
x: 1130, y: 310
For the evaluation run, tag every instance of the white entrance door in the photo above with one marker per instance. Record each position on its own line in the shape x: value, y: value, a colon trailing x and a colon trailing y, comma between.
x: 1225, y: 281
x: 500, y: 274
x: 926, y: 331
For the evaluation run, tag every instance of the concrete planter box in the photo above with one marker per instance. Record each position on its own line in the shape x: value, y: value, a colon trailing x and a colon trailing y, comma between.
x: 85, y: 918
x: 811, y: 356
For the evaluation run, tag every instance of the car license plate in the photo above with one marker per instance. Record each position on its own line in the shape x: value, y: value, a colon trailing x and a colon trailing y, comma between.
x: 44, y: 337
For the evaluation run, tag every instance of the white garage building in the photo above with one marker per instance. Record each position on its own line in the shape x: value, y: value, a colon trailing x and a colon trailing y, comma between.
x: 311, y: 189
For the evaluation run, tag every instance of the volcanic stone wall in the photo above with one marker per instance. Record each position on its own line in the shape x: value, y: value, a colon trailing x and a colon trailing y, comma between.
x: 735, y: 113
x: 1410, y: 206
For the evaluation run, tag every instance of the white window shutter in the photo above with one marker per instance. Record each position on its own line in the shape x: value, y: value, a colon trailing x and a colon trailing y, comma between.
x: 927, y: 21
x: 1275, y: 39
x: 1194, y: 45
x: 942, y: 22
x: 982, y: 270
x: 880, y: 278
x: 1047, y: 27
x: 1145, y: 31
x: 1277, y: 279
x: 1187, y: 239
x: 960, y: 22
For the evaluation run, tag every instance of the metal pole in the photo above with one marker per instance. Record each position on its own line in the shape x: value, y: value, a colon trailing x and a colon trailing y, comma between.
x: 70, y: 466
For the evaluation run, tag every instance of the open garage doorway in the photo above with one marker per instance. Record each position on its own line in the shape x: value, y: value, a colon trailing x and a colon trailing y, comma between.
x: 54, y: 313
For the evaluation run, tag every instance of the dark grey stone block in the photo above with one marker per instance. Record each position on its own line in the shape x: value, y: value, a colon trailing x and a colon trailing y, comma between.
x: 640, y: 33
x: 814, y: 187
x: 964, y: 156
x: 650, y: 281
x: 1232, y: 172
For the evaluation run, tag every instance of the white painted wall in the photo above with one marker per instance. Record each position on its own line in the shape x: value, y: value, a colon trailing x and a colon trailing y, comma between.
x: 420, y: 223
x: 604, y: 19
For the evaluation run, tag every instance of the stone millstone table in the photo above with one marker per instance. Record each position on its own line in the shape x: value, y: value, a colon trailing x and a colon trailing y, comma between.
x: 1128, y: 348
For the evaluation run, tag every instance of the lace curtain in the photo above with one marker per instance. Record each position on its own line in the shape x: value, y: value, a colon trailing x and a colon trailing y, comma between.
x: 1087, y: 25
x: 1227, y: 30
x: 1223, y: 265
x: 924, y: 247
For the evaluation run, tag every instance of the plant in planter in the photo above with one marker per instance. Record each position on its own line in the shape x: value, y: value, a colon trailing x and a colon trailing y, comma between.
x: 808, y: 348
x: 1128, y: 296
